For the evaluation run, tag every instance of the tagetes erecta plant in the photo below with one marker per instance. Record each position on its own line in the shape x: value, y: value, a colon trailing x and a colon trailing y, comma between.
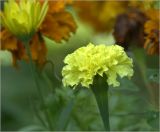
x: 152, y: 32
x: 97, y: 67
x: 56, y: 23
x: 87, y: 62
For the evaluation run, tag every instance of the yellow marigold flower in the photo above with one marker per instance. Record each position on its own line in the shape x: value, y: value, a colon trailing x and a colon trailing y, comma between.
x: 23, y: 18
x: 87, y: 62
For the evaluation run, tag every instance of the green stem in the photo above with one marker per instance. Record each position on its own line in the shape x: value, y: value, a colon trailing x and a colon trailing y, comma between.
x: 65, y: 115
x: 100, y: 90
x: 66, y: 112
x: 33, y: 70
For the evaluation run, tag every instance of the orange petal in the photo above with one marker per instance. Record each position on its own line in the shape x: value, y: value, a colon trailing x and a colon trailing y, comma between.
x: 19, y: 54
x: 37, y: 47
x: 58, y: 26
x: 8, y: 41
x: 38, y: 50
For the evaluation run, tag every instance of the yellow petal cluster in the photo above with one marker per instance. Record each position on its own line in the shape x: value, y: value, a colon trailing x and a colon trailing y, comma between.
x: 86, y: 62
x: 22, y: 18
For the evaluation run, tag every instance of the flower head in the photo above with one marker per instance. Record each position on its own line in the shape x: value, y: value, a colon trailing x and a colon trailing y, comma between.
x: 57, y: 25
x: 24, y: 17
x: 100, y: 14
x: 87, y: 62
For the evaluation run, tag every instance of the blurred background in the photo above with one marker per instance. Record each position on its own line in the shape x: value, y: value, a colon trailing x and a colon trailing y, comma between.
x: 134, y: 105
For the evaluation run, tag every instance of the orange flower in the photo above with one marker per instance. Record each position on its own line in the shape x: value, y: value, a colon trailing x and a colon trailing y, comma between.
x: 100, y: 14
x: 57, y: 25
x: 152, y: 31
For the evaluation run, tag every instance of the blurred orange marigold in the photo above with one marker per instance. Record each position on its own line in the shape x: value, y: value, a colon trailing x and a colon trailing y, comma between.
x: 100, y: 14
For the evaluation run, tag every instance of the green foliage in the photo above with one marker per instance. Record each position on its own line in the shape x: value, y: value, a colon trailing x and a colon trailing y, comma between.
x: 153, y: 119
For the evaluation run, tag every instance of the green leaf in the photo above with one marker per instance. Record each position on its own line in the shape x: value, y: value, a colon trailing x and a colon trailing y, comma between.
x: 100, y: 90
x: 65, y: 115
x: 153, y: 119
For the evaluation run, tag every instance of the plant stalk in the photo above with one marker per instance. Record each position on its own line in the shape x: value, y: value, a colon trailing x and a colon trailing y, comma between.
x: 100, y: 90
x: 35, y: 76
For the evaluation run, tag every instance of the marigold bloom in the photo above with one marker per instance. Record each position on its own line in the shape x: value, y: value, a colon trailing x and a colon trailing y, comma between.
x: 87, y: 62
x: 57, y: 25
x: 100, y: 14
x: 23, y: 19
